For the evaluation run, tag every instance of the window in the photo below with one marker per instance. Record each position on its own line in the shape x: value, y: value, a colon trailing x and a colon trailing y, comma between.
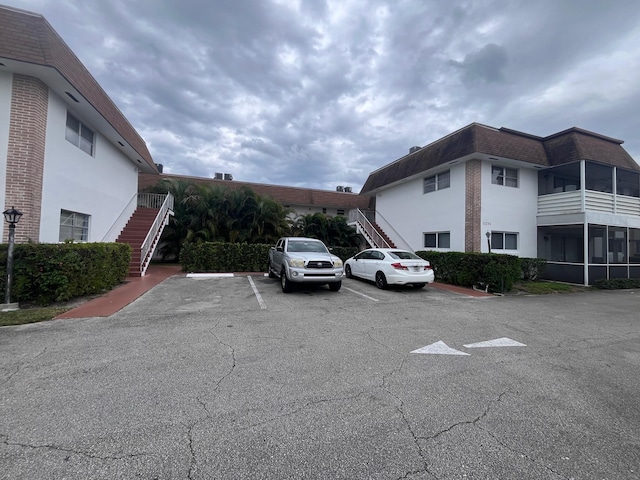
x: 79, y: 134
x: 437, y: 240
x: 73, y: 226
x: 340, y: 211
x: 504, y: 176
x: 437, y: 182
x: 504, y: 241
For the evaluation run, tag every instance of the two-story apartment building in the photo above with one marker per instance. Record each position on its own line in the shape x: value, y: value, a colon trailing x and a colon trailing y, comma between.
x: 69, y: 159
x: 572, y: 198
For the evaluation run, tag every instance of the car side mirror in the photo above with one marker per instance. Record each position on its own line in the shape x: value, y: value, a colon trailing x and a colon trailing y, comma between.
x: 280, y: 249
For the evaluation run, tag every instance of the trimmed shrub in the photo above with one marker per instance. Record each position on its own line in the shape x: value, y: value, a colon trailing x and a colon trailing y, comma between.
x: 344, y: 252
x: 224, y: 257
x: 532, y: 268
x: 44, y: 273
x: 495, y: 272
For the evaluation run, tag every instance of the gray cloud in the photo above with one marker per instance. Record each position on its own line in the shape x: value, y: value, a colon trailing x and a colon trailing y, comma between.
x: 322, y: 93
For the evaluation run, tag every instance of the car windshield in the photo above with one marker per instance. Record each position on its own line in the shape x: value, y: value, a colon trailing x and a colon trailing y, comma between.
x: 405, y: 255
x: 306, y: 246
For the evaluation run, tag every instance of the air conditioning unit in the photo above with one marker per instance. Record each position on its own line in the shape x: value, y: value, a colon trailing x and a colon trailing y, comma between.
x: 339, y: 188
x: 218, y: 176
x: 228, y: 176
x: 347, y: 189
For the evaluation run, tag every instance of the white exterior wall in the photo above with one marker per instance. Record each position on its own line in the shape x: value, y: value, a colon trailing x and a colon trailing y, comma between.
x: 102, y: 186
x: 413, y: 213
x: 512, y: 210
x: 6, y: 81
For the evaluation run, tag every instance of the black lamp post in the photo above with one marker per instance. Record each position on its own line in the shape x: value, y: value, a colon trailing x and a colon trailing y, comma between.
x: 488, y: 234
x: 11, y: 216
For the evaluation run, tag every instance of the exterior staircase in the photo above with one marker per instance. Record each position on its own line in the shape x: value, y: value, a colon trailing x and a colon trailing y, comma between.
x: 134, y: 233
x: 144, y: 228
x: 370, y: 230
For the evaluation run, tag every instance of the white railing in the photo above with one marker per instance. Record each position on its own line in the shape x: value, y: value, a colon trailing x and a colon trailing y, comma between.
x: 565, y: 202
x: 599, y: 201
x: 627, y: 205
x: 396, y: 237
x: 165, y: 204
x: 368, y: 230
x: 121, y: 221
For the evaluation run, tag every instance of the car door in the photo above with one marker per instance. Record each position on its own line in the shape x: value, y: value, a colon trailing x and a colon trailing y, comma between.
x: 358, y: 268
x: 374, y: 263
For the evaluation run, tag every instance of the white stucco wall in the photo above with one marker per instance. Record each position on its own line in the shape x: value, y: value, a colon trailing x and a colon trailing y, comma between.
x: 510, y: 209
x: 6, y: 80
x: 101, y: 185
x: 412, y: 213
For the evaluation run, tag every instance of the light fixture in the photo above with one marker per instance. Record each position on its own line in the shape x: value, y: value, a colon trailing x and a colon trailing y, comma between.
x: 11, y: 216
x: 488, y: 234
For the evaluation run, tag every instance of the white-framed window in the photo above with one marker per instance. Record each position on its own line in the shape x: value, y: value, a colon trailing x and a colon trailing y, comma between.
x: 340, y: 211
x: 437, y: 182
x: 504, y: 241
x: 79, y: 134
x: 73, y: 226
x: 504, y: 176
x: 437, y: 240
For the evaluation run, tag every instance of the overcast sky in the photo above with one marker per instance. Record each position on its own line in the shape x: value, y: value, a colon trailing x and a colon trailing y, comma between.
x: 316, y: 93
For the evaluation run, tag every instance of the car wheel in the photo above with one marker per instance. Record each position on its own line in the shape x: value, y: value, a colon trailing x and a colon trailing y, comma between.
x: 419, y: 285
x: 381, y: 280
x: 271, y: 273
x: 284, y: 282
x: 347, y: 271
x: 335, y: 286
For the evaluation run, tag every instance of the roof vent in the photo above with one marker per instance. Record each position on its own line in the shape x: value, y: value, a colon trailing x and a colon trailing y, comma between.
x: 228, y: 176
x: 339, y: 188
x: 414, y: 149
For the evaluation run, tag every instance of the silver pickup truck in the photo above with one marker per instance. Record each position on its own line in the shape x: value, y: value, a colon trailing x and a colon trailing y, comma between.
x: 304, y: 260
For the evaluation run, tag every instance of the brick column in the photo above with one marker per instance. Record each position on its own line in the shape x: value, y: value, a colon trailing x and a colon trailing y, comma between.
x: 25, y: 155
x: 473, y: 208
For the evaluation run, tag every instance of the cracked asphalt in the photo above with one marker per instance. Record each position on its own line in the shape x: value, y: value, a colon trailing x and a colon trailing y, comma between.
x: 204, y: 379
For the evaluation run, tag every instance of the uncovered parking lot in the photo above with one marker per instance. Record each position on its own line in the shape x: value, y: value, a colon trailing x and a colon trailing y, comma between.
x: 199, y: 379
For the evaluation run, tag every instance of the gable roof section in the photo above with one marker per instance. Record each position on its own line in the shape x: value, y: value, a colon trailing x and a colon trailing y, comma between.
x: 285, y: 195
x: 564, y: 147
x: 27, y: 41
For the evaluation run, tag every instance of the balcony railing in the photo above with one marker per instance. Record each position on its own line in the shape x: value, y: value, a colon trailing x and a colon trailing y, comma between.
x: 579, y: 201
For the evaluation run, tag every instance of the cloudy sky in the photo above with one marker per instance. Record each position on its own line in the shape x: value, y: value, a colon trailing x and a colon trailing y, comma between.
x: 319, y: 93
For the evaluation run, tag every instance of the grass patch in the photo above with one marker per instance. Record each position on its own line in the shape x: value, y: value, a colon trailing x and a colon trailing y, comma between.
x: 545, y: 288
x: 30, y: 315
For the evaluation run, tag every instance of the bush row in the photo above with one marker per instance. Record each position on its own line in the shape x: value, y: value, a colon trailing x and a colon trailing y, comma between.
x: 45, y: 273
x: 496, y: 273
x: 617, y: 283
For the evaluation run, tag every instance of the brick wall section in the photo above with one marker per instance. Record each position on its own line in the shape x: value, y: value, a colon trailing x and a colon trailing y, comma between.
x: 25, y: 155
x: 472, y: 217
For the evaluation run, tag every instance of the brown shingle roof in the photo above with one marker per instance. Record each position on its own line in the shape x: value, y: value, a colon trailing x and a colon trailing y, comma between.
x: 282, y: 194
x: 563, y: 147
x: 28, y: 37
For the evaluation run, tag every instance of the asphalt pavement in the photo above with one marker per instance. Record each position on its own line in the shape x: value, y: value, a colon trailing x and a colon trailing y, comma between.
x: 229, y: 378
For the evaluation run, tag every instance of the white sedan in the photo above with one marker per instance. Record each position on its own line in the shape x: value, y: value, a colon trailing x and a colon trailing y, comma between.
x: 390, y: 266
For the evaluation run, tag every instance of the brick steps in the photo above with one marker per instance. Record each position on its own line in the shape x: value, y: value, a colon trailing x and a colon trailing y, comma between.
x: 134, y: 233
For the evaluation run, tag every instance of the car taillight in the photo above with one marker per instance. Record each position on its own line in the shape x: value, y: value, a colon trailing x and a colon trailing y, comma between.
x: 427, y: 267
x: 399, y: 266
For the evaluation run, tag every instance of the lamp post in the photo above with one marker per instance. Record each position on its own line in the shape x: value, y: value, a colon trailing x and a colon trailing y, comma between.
x: 11, y: 216
x: 488, y: 234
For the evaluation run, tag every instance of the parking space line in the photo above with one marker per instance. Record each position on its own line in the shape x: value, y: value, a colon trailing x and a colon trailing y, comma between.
x: 257, y: 293
x: 362, y: 294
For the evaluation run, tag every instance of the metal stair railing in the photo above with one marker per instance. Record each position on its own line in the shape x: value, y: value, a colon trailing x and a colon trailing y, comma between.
x: 165, y: 204
x: 369, y: 230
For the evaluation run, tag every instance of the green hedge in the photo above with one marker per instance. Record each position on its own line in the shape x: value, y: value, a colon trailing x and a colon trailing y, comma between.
x: 617, y: 283
x: 495, y: 272
x: 344, y: 252
x: 224, y: 257
x: 44, y: 273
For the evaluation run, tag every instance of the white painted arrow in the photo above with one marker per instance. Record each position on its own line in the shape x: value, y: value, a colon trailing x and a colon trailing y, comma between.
x: 439, y: 348
x: 498, y: 342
